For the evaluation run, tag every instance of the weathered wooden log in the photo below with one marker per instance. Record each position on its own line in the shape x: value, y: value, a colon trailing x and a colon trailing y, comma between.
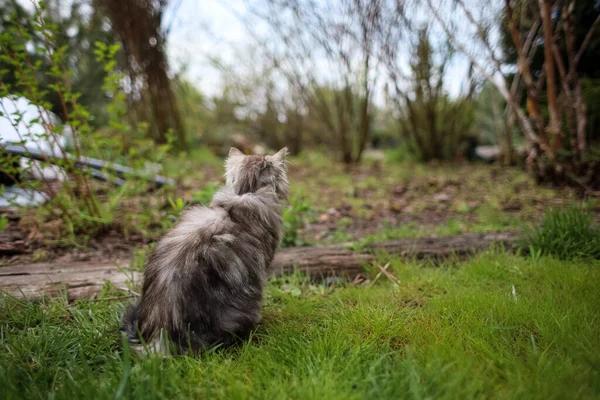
x: 77, y: 280
x: 337, y: 260
x: 84, y: 279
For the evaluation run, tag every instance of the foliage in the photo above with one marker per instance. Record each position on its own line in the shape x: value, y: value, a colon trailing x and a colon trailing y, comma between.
x: 139, y: 26
x: 491, y: 118
x: 545, y: 95
x: 293, y: 220
x: 177, y: 205
x: 591, y: 93
x: 338, y: 37
x: 197, y: 117
x: 432, y: 123
x: 76, y: 28
x: 401, y: 153
x: 556, y: 100
x: 74, y: 209
x: 76, y: 204
x: 498, y: 326
x: 204, y: 196
x: 567, y: 234
x: 585, y: 12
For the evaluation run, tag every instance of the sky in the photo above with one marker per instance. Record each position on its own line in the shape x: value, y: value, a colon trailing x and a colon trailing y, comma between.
x: 200, y: 29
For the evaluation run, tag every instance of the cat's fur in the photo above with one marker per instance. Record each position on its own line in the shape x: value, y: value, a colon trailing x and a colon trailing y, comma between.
x: 203, y: 284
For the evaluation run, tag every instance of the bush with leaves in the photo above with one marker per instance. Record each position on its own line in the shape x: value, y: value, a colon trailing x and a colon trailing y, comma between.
x: 75, y: 202
x: 432, y: 123
x: 75, y: 210
x: 76, y: 26
x: 293, y: 220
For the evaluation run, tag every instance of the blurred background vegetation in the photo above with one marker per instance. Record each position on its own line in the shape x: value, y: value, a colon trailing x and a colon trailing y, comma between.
x: 342, y: 77
x: 439, y: 81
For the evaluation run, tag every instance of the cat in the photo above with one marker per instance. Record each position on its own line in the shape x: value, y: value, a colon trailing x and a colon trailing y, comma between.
x: 203, y: 284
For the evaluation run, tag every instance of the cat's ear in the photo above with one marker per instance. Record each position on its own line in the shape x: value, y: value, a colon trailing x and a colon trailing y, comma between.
x: 280, y: 155
x: 233, y: 152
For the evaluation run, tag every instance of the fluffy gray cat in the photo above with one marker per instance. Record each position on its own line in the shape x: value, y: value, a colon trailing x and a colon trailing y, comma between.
x: 203, y: 284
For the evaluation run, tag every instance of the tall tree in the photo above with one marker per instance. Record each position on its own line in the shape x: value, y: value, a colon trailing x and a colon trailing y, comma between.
x: 548, y: 120
x: 139, y: 26
x: 585, y: 33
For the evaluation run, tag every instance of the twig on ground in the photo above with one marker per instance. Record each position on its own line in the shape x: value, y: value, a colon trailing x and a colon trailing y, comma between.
x: 388, y: 275
x: 359, y: 279
x: 136, y: 294
x: 380, y: 273
x: 107, y: 299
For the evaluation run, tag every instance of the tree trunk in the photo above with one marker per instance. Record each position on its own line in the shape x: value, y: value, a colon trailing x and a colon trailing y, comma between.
x: 341, y: 100
x: 364, y: 125
x: 573, y: 77
x: 509, y: 156
x: 554, y: 127
x: 297, y: 127
x: 533, y: 104
x: 138, y: 24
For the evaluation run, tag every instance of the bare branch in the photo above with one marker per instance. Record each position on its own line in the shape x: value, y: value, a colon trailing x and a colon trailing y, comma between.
x: 586, y: 41
x: 522, y: 119
x: 481, y: 33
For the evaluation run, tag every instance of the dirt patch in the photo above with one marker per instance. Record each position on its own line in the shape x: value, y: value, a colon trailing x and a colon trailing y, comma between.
x: 345, y: 205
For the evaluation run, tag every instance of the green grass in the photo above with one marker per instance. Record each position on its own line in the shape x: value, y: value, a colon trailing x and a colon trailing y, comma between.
x: 449, y: 332
x: 567, y: 234
x: 390, y: 233
x: 204, y: 196
x: 293, y: 220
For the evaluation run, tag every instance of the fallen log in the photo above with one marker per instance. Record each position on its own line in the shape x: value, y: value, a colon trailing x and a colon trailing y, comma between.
x: 76, y: 280
x: 84, y: 279
x: 341, y: 260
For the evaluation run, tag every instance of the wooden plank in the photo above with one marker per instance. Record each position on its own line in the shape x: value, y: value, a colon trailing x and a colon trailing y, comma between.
x: 85, y: 279
x: 78, y: 280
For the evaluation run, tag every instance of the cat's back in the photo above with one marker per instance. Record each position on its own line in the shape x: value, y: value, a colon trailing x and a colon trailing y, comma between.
x: 199, y: 223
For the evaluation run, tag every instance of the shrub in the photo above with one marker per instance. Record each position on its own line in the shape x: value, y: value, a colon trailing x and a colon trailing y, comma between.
x: 79, y: 207
x: 433, y: 124
x: 566, y: 234
x: 25, y: 107
x: 293, y: 220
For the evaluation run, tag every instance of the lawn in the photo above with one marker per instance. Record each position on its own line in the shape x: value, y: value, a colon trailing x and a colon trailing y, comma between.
x: 499, y: 325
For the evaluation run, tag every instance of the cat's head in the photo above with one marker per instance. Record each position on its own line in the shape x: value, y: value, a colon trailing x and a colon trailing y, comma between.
x: 248, y: 173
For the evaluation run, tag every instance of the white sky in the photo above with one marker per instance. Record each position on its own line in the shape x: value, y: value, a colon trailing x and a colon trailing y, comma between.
x: 206, y: 28
x: 200, y: 30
